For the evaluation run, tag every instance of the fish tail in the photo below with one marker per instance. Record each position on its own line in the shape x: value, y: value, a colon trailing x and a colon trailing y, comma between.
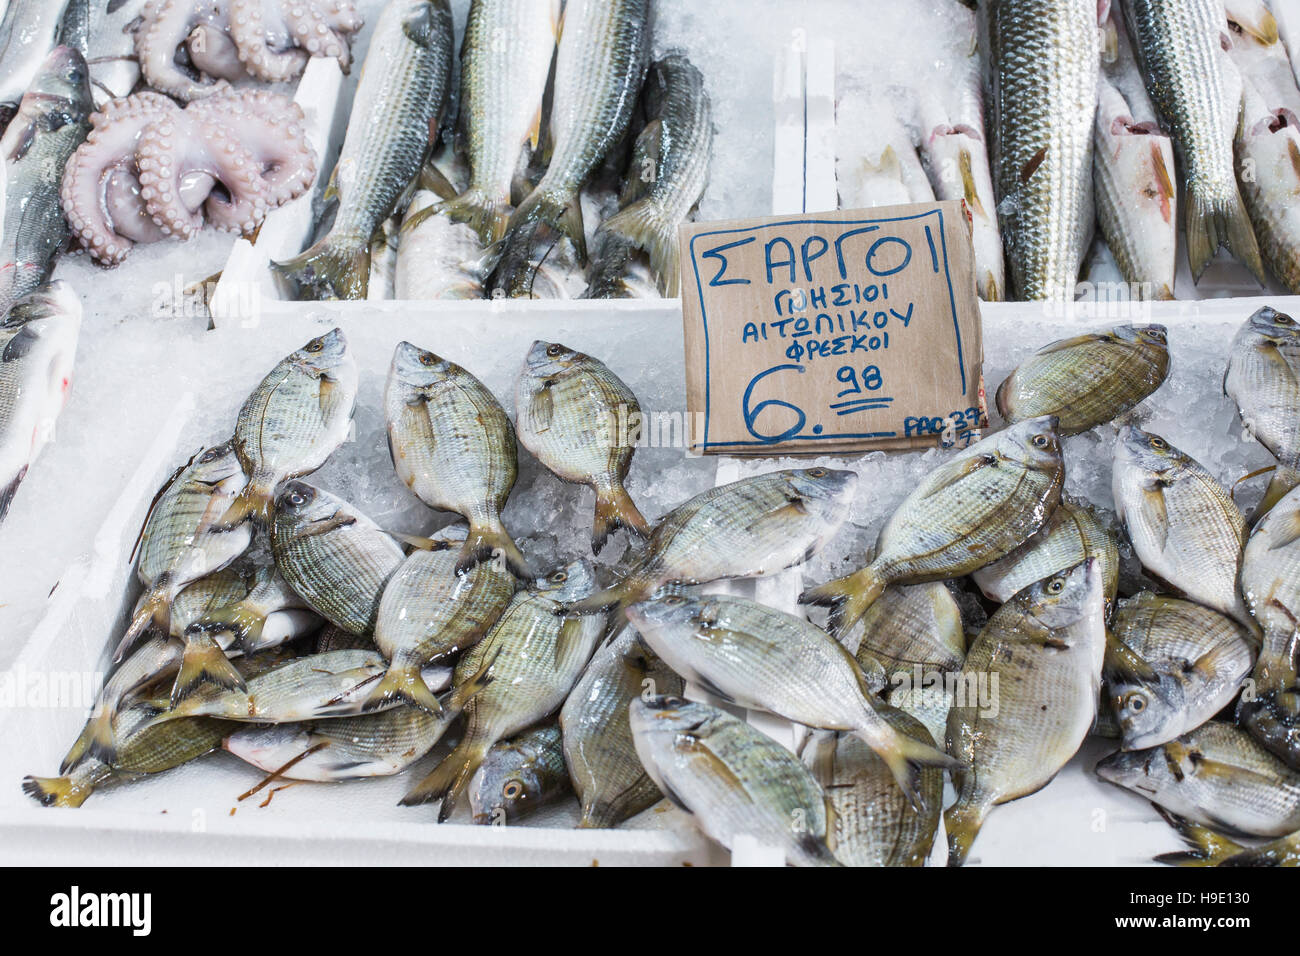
x: 203, y: 662
x: 466, y: 689
x: 492, y: 542
x: 1212, y: 223
x: 486, y: 214
x: 256, y: 501
x: 963, y: 821
x: 1282, y: 481
x: 242, y: 621
x: 96, y: 740
x: 156, y: 612
x: 1204, y: 846
x: 334, y: 268
x: 614, y: 600
x: 643, y: 225
x: 403, y: 683
x: 56, y: 791
x: 8, y: 491
x: 560, y: 212
x: 904, y: 756
x: 847, y: 597
x: 615, y: 509
x: 598, y: 816
x: 449, y: 779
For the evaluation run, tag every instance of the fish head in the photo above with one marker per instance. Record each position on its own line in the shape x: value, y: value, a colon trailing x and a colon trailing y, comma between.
x: 325, y: 352
x: 1034, y: 443
x: 1146, y: 452
x: 420, y: 369
x: 1148, y: 712
x: 298, y: 501
x: 1147, y: 772
x: 1152, y: 336
x: 60, y: 92
x: 824, y: 492
x: 504, y: 788
x: 1274, y: 325
x: 548, y: 359
x: 669, y: 715
x: 1067, y: 597
x: 572, y: 582
x: 50, y: 316
x: 216, y: 464
x: 670, y: 613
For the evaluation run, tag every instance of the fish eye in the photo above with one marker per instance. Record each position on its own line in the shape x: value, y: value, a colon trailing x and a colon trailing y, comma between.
x: 555, y: 351
x: 1159, y: 443
x: 1136, y: 703
x: 512, y: 790
x: 315, y: 345
x: 1056, y: 585
x: 1283, y: 319
x: 428, y: 358
x: 559, y: 577
x: 1039, y: 441
x: 817, y: 472
x: 210, y: 455
x: 297, y: 498
x: 673, y: 600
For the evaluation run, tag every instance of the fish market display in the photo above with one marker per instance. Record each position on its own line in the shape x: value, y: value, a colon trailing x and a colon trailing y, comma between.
x: 38, y: 341
x: 27, y: 35
x: 1089, y: 379
x: 399, y: 104
x: 519, y: 776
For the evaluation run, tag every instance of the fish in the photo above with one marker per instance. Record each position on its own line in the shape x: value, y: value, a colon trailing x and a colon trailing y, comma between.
x: 53, y: 119
x: 1215, y: 775
x: 761, y: 658
x: 1268, y: 144
x: 1133, y: 174
x: 1187, y: 75
x: 505, y: 62
x: 28, y: 33
x: 873, y: 823
x: 518, y: 776
x: 114, y: 69
x: 1073, y: 532
x: 1044, y: 59
x: 430, y: 612
x: 600, y: 64
x: 337, y: 559
x: 264, y: 613
x: 297, y: 417
x: 881, y: 175
x: 733, y: 780
x: 1184, y: 526
x: 1207, y: 848
x: 679, y: 173
x: 537, y: 656
x: 1270, y: 583
x: 1088, y: 380
x: 1263, y: 378
x: 603, y: 766
x: 910, y: 625
x: 758, y: 525
x: 453, y: 445
x: 38, y: 344
x: 573, y: 414
x: 1044, y: 648
x: 183, y: 540
x: 401, y: 96
x: 436, y: 257
x: 1200, y: 659
x: 336, y: 639
x: 977, y: 507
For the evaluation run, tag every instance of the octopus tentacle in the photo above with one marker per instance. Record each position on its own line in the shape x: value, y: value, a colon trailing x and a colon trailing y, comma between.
x: 165, y: 25
x: 249, y: 28
x: 275, y: 131
x: 211, y: 48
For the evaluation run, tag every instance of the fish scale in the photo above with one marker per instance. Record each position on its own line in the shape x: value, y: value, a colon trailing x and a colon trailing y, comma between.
x: 1263, y: 378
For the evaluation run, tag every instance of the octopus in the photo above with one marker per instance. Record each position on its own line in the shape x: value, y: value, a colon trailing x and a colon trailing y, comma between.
x: 151, y: 170
x: 271, y: 40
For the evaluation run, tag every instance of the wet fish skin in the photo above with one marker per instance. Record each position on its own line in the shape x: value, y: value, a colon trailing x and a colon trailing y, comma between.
x: 977, y: 507
x: 38, y: 342
x: 912, y: 624
x: 27, y: 35
x: 518, y: 776
x: 732, y: 779
x: 337, y: 559
x: 114, y: 70
x: 1268, y: 142
x: 570, y: 406
x: 436, y: 257
x: 1216, y: 775
x: 1208, y: 848
x: 603, y: 766
x: 1184, y: 526
x: 1045, y: 647
x: 1200, y: 659
x: 1087, y: 380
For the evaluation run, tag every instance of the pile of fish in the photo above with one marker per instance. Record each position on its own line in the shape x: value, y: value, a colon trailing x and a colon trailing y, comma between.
x: 1109, y: 119
x: 563, y: 126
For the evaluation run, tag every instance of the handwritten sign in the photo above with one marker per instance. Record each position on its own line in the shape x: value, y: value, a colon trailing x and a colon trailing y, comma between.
x: 832, y: 332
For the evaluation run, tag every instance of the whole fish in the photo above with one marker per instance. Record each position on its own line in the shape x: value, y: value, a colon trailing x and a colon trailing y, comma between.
x: 1044, y: 59
x: 1088, y: 379
x: 337, y: 559
x: 505, y: 61
x: 733, y: 780
x: 1268, y: 143
x: 1216, y: 775
x: 1200, y: 659
x: 873, y: 823
x: 679, y: 172
x: 518, y: 776
x: 573, y: 415
x: 1039, y: 661
x: 978, y: 506
x: 1207, y: 848
x: 399, y: 103
x: 429, y: 612
x: 748, y: 528
x: 38, y: 341
x: 1263, y: 378
x: 1072, y: 533
x: 599, y: 67
x: 765, y: 659
x: 453, y: 445
x: 1270, y: 582
x: 1178, y: 46
x: 1133, y: 174
x: 293, y: 421
x: 183, y: 541
x: 53, y: 119
x: 436, y: 257
x: 27, y: 35
x: 114, y: 69
x: 1184, y: 526
x: 607, y: 775
x: 910, y: 625
x: 536, y: 657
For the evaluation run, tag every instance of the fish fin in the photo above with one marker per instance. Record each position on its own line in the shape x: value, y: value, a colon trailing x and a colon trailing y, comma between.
x: 1124, y: 664
x: 963, y: 821
x: 598, y: 816
x: 204, y: 662
x: 256, y: 502
x: 243, y: 622
x: 542, y: 411
x: 55, y: 791
x: 431, y: 179
x: 615, y: 509
x: 8, y: 491
x: 96, y: 740
x: 488, y: 544
x: 331, y: 269
x: 1205, y: 847
x: 847, y: 597
x: 1286, y: 531
x: 563, y: 215
x: 969, y: 190
x: 1256, y: 20
x: 1211, y: 224
x: 904, y: 755
x: 645, y: 227
x: 156, y: 612
x: 322, y: 526
x: 486, y: 215
x: 1155, y: 501
x: 688, y: 743
x: 449, y: 779
x: 535, y: 129
x: 403, y: 683
x: 463, y: 692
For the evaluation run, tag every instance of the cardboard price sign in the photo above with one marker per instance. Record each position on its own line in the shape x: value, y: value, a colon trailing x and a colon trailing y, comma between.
x: 837, y: 331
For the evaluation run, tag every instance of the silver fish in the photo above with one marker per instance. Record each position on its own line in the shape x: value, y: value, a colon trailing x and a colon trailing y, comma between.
x: 518, y: 776
x: 27, y: 35
x: 436, y: 257
x: 114, y: 69
x: 1268, y: 143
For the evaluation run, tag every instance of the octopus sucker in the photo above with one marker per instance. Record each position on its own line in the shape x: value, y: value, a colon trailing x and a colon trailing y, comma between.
x: 151, y: 170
